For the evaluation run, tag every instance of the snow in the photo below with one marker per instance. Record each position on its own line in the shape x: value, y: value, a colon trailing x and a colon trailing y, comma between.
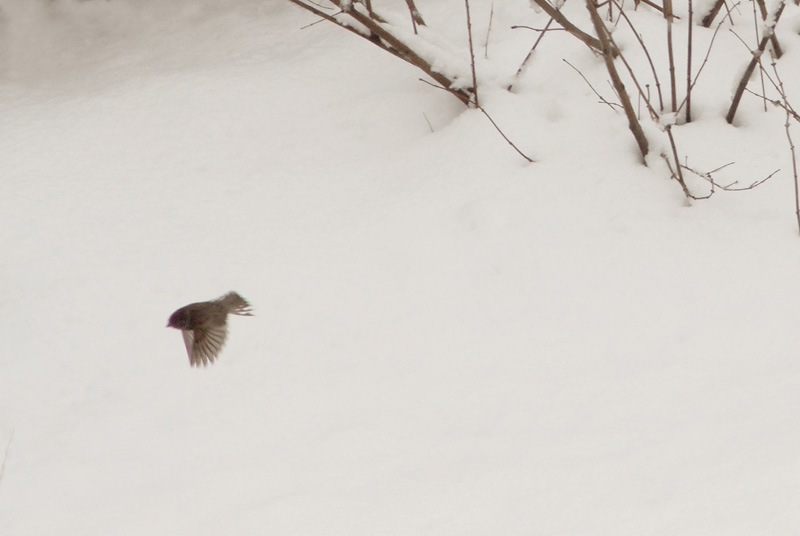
x: 447, y: 340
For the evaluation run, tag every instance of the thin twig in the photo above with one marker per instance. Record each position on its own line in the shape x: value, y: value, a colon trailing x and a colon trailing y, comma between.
x: 317, y: 4
x: 317, y: 10
x: 787, y: 127
x: 730, y: 187
x: 785, y: 106
x: 591, y: 42
x: 489, y: 117
x: 472, y: 57
x: 524, y: 63
x: 599, y: 96
x: 688, y: 98
x: 671, y: 57
x: 678, y: 176
x: 5, y: 455
x: 652, y: 111
x: 720, y: 168
x: 437, y: 86
x: 488, y: 31
x: 755, y: 60
x: 323, y: 18
x: 760, y: 71
x: 607, y: 46
x: 776, y: 46
x: 378, y: 32
x: 545, y: 29
x: 416, y: 16
x: 675, y: 156
x: 653, y: 5
x: 647, y: 55
x: 494, y: 124
x: 708, y: 54
x: 428, y: 121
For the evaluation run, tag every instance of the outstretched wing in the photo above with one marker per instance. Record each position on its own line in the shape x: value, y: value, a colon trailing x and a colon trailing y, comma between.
x: 204, y: 344
x: 188, y: 340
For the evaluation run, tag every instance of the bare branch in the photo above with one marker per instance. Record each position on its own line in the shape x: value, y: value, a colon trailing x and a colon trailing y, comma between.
x: 790, y: 113
x: 647, y: 55
x: 730, y: 187
x: 530, y: 53
x: 679, y: 174
x: 591, y: 42
x: 705, y: 60
x: 688, y: 98
x: 651, y: 4
x: 494, y: 124
x: 776, y: 46
x: 488, y: 31
x: 5, y: 455
x: 449, y: 90
x: 607, y: 46
x: 787, y: 128
x: 542, y: 30
x: 472, y: 56
x: 755, y: 60
x: 416, y: 16
x: 785, y: 106
x: 672, y: 81
x: 380, y: 35
x: 599, y: 96
x: 711, y: 15
x: 489, y: 117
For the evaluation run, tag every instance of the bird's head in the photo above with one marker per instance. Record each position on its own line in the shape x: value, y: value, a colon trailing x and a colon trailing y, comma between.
x: 179, y: 319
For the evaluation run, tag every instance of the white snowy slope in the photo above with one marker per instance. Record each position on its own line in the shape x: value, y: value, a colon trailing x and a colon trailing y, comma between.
x: 447, y: 341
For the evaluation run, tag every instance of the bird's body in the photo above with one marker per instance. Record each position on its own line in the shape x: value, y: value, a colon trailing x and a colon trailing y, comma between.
x: 205, y: 325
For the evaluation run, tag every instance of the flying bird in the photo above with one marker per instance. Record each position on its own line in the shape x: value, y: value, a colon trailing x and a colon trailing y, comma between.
x: 205, y: 325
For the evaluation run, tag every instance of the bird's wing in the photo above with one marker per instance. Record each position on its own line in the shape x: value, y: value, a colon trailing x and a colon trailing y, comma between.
x: 188, y: 340
x: 206, y: 344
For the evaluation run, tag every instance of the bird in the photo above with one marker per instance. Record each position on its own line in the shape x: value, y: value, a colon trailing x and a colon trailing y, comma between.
x: 204, y: 325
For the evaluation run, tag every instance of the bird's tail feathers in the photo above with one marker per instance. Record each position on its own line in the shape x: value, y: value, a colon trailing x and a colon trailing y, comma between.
x: 236, y: 305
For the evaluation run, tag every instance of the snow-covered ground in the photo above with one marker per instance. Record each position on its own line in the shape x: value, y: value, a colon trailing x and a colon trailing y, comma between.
x: 447, y: 341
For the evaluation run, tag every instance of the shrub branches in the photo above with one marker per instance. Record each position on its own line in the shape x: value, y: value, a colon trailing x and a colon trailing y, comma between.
x: 418, y: 46
x: 366, y: 23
